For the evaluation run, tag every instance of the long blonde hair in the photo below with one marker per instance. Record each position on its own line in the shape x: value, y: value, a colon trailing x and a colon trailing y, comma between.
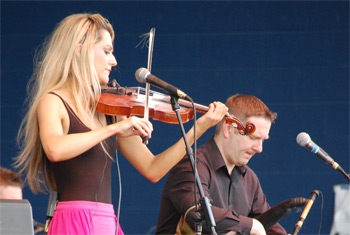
x: 58, y: 65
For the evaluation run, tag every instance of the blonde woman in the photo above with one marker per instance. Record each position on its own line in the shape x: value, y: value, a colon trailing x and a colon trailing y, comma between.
x: 68, y: 146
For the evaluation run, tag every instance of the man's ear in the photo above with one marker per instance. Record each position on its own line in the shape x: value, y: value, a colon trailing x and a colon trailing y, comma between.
x: 78, y: 49
x: 226, y: 129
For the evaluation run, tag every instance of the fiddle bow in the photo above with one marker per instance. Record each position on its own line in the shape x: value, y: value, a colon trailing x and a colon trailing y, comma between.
x: 130, y: 103
x: 149, y: 67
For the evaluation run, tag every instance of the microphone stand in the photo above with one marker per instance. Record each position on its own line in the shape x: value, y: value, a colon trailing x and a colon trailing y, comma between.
x: 204, y: 201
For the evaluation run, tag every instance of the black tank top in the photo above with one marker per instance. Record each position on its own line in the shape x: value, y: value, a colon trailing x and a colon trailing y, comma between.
x: 85, y: 177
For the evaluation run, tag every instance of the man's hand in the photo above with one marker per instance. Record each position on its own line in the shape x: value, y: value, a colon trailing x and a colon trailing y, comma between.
x: 258, y: 228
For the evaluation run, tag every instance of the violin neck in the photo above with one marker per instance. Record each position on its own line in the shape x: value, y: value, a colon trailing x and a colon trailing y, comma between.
x: 199, y: 108
x: 166, y: 98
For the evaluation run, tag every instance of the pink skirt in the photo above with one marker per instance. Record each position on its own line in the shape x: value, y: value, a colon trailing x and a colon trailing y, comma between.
x: 84, y: 217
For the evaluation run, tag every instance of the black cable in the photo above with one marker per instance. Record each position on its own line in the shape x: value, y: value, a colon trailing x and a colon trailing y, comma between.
x: 101, y: 179
x: 120, y: 190
x: 321, y: 212
x: 195, y: 153
x: 98, y: 187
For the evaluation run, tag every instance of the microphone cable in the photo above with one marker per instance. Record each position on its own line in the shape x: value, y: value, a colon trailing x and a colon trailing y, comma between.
x: 120, y: 190
x: 119, y: 178
x: 99, y: 184
x: 321, y: 213
x: 195, y: 153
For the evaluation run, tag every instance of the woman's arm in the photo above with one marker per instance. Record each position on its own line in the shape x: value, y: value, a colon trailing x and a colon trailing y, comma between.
x: 155, y: 167
x: 59, y: 146
x: 53, y: 122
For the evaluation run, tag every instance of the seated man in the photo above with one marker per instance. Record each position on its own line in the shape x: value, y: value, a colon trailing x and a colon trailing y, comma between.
x: 11, y: 185
x: 233, y: 189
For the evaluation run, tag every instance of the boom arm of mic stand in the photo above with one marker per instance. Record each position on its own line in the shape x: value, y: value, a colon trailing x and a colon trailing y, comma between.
x: 341, y: 170
x: 205, y: 205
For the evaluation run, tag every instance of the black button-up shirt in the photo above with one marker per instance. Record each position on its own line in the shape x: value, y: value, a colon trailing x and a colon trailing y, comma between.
x: 235, y: 199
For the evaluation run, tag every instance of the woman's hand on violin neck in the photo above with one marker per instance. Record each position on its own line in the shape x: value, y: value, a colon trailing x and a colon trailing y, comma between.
x: 215, y: 114
x: 133, y: 126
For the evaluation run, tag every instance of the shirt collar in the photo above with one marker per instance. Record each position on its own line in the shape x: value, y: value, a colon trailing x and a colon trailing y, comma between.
x: 219, y: 162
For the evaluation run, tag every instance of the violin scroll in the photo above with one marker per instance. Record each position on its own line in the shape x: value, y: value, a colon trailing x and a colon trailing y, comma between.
x: 249, y: 128
x: 236, y: 123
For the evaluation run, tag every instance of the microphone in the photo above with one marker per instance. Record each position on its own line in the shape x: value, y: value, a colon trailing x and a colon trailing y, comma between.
x: 306, y: 210
x: 304, y: 140
x: 143, y: 75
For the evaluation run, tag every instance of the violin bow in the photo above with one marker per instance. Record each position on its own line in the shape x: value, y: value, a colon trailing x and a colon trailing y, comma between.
x: 149, y: 67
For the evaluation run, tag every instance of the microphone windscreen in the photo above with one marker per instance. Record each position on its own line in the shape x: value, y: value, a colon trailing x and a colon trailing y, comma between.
x: 141, y: 75
x: 303, y: 138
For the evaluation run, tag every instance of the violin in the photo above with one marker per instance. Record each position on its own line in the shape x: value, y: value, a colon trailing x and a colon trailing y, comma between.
x: 125, y: 101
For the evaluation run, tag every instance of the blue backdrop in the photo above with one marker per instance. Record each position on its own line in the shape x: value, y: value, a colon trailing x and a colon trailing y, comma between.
x: 292, y: 55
